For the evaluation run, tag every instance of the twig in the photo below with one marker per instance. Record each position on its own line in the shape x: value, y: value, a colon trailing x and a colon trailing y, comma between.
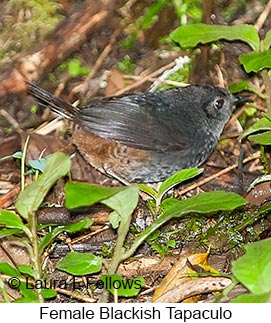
x: 98, y: 63
x: 212, y: 177
x: 153, y: 79
x: 261, y: 20
x: 144, y: 79
x: 74, y: 295
x: 104, y: 53
x: 10, y: 119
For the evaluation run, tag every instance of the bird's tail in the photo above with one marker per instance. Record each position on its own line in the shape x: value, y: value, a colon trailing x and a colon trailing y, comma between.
x: 55, y: 103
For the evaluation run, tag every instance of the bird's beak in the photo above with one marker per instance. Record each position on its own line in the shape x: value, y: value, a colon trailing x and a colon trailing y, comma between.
x: 241, y: 99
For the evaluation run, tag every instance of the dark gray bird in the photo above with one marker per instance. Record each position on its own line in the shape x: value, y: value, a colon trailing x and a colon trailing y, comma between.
x: 145, y: 137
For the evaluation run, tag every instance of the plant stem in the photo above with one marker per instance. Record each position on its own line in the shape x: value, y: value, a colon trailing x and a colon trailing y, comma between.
x: 23, y: 163
x: 264, y: 160
x: 267, y: 83
x: 36, y: 259
x: 118, y: 252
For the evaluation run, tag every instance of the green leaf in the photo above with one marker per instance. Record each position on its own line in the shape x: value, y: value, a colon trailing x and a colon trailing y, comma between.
x: 171, y: 243
x: 267, y: 41
x: 261, y: 138
x: 11, y: 220
x: 29, y: 294
x: 39, y: 164
x: 48, y: 293
x: 250, y: 111
x: 32, y: 299
x: 206, y: 203
x: 253, y: 269
x: 148, y: 190
x: 261, y: 125
x: 29, y: 200
x: 9, y: 232
x: 7, y: 269
x: 5, y: 296
x: 17, y: 154
x: 177, y: 178
x: 253, y: 298
x: 75, y: 68
x: 76, y: 263
x: 25, y: 269
x: 256, y: 61
x: 124, y: 202
x: 192, y: 35
x: 124, y: 287
x: 169, y: 202
x: 45, y: 241
x: 245, y: 86
x: 78, y: 226
x: 114, y: 219
x: 258, y: 180
x: 71, y: 228
x: 81, y: 194
x: 202, y: 203
x: 152, y: 12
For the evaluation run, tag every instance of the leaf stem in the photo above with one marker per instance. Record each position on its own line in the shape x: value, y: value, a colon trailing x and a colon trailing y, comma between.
x: 23, y: 163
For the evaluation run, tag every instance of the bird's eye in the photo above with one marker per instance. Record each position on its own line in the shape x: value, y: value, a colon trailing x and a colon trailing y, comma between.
x: 218, y: 103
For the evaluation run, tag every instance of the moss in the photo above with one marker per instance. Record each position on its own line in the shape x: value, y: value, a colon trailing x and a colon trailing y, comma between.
x: 31, y: 20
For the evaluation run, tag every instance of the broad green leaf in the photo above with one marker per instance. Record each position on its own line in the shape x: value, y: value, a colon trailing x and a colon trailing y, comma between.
x: 71, y: 228
x: 81, y: 194
x: 124, y: 202
x: 33, y: 299
x: 253, y: 298
x: 25, y: 269
x: 29, y: 200
x: 169, y: 202
x: 256, y: 61
x: 79, y: 264
x: 29, y: 294
x: 205, y: 203
x: 9, y: 232
x: 202, y: 203
x: 48, y: 293
x: 178, y: 178
x: 11, y: 220
x: 7, y: 269
x: 261, y: 125
x: 124, y: 287
x: 192, y: 35
x: 261, y: 138
x: 253, y: 269
x: 245, y: 86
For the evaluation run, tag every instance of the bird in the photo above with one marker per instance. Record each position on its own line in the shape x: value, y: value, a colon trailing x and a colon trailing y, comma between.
x: 146, y: 137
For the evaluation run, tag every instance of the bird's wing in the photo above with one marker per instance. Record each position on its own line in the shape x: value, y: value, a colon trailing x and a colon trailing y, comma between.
x: 144, y: 121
